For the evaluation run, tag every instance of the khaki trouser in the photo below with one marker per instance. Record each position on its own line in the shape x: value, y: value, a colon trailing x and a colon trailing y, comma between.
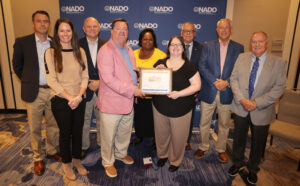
x: 207, y: 111
x: 115, y: 136
x: 35, y: 112
x: 171, y: 134
x: 89, y: 108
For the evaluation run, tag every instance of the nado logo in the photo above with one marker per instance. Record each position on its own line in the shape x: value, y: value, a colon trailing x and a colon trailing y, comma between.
x: 197, y: 26
x: 165, y: 42
x: 132, y: 43
x: 142, y: 26
x: 105, y: 26
x: 116, y: 9
x: 206, y: 10
x: 72, y: 9
x: 161, y: 9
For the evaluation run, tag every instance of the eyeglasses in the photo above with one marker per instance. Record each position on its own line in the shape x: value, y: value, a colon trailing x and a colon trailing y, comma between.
x: 176, y: 44
x: 188, y: 31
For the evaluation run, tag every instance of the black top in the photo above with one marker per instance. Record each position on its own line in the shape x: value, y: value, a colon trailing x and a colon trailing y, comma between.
x: 182, y: 105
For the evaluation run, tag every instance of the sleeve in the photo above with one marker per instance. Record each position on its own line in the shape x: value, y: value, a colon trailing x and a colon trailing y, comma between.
x: 106, y: 71
x: 84, y: 74
x: 277, y: 89
x: 191, y: 70
x: 51, y: 75
x: 234, y: 81
x: 159, y: 62
x: 203, y: 66
x: 18, y: 59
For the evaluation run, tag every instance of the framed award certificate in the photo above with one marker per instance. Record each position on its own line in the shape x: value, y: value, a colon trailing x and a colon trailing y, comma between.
x: 154, y: 81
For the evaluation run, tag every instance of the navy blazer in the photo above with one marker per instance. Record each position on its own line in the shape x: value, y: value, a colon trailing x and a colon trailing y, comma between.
x: 93, y: 70
x: 210, y: 70
x: 196, y: 52
x: 26, y: 66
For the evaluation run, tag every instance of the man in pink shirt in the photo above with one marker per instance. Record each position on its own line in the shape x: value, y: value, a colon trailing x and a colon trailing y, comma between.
x: 215, y: 66
x: 118, y: 82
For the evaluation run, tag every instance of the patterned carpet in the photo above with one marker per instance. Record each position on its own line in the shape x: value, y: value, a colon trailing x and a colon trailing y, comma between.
x: 17, y: 164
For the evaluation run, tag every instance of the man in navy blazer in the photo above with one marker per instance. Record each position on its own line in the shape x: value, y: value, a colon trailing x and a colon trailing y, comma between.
x: 193, y: 51
x: 91, y: 45
x: 28, y: 63
x: 215, y: 67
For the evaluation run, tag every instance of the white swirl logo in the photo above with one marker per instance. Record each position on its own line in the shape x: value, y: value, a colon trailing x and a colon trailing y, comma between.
x: 165, y: 42
x: 116, y: 9
x: 72, y: 9
x: 142, y: 26
x: 161, y: 9
x: 132, y: 43
x: 206, y: 10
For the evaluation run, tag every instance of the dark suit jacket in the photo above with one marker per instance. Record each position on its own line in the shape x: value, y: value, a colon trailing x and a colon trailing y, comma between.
x: 26, y: 66
x: 210, y: 70
x: 93, y: 70
x: 196, y: 53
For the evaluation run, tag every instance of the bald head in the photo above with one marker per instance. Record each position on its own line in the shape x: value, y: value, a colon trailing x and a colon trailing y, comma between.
x: 91, y: 28
x: 224, y: 29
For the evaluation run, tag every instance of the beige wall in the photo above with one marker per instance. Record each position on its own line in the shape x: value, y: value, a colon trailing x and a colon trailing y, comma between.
x: 256, y: 15
x: 22, y: 16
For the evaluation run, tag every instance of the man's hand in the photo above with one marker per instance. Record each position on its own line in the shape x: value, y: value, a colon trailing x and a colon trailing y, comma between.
x: 138, y: 92
x: 249, y: 105
x: 221, y: 84
x: 93, y: 85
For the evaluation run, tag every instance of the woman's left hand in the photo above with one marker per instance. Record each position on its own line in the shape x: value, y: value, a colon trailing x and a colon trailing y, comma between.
x: 174, y: 95
x: 74, y: 102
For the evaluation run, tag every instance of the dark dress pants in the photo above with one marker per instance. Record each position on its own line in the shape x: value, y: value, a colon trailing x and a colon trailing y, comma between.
x: 70, y: 124
x: 259, y: 136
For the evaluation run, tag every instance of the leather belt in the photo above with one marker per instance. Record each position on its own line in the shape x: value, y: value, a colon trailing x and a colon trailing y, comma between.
x: 44, y: 86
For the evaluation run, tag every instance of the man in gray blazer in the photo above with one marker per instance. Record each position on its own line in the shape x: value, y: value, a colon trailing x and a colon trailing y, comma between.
x: 257, y: 81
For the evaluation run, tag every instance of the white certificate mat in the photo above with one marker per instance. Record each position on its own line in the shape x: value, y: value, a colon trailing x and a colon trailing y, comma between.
x: 155, y: 81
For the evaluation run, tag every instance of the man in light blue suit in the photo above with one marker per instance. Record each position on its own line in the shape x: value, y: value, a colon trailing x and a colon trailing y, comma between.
x: 215, y: 66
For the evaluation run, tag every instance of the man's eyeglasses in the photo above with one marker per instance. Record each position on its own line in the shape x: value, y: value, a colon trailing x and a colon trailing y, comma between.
x: 188, y: 31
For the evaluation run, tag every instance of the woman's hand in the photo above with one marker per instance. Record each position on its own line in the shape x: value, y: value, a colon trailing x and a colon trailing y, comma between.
x: 74, y: 102
x: 174, y: 94
x: 161, y: 66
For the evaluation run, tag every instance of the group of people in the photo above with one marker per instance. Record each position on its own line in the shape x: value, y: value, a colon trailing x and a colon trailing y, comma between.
x: 67, y: 79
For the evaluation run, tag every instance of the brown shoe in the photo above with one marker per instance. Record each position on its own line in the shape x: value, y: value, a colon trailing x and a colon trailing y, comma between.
x: 199, y: 154
x: 126, y: 159
x: 223, y: 157
x: 56, y: 157
x: 83, y: 154
x: 188, y: 146
x: 39, y: 168
x: 111, y: 171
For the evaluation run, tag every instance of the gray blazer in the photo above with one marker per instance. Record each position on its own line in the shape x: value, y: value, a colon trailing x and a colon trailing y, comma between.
x: 270, y: 86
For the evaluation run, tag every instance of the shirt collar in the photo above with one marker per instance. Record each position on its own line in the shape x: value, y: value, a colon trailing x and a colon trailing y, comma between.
x: 261, y: 58
x: 89, y: 42
x: 226, y: 44
x: 37, y: 39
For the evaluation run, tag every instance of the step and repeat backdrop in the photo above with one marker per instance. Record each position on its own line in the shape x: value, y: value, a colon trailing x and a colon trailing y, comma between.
x: 165, y: 17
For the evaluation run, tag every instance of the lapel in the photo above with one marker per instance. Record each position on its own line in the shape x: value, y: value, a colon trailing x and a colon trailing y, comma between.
x: 194, y: 51
x: 265, y: 73
x: 217, y: 52
x: 120, y: 57
x: 227, y: 59
x: 88, y: 54
x: 34, y: 51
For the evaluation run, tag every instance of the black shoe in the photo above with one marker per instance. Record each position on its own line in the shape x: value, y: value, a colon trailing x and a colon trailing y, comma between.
x: 136, y: 141
x: 234, y: 170
x: 161, y: 162
x: 252, y: 178
x: 173, y: 168
x: 153, y: 146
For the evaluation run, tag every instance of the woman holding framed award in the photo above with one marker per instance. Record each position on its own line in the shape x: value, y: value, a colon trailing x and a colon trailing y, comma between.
x: 146, y: 57
x: 172, y: 113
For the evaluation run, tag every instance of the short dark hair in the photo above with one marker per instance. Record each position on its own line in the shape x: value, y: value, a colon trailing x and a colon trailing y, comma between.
x: 118, y: 20
x: 40, y: 12
x: 143, y: 32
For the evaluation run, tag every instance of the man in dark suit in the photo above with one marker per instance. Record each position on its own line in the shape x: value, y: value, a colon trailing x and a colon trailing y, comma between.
x: 257, y: 81
x: 91, y: 45
x: 28, y: 63
x: 215, y: 66
x: 193, y: 51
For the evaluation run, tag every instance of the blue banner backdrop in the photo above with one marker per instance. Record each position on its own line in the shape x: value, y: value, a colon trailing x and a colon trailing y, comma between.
x: 164, y: 16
